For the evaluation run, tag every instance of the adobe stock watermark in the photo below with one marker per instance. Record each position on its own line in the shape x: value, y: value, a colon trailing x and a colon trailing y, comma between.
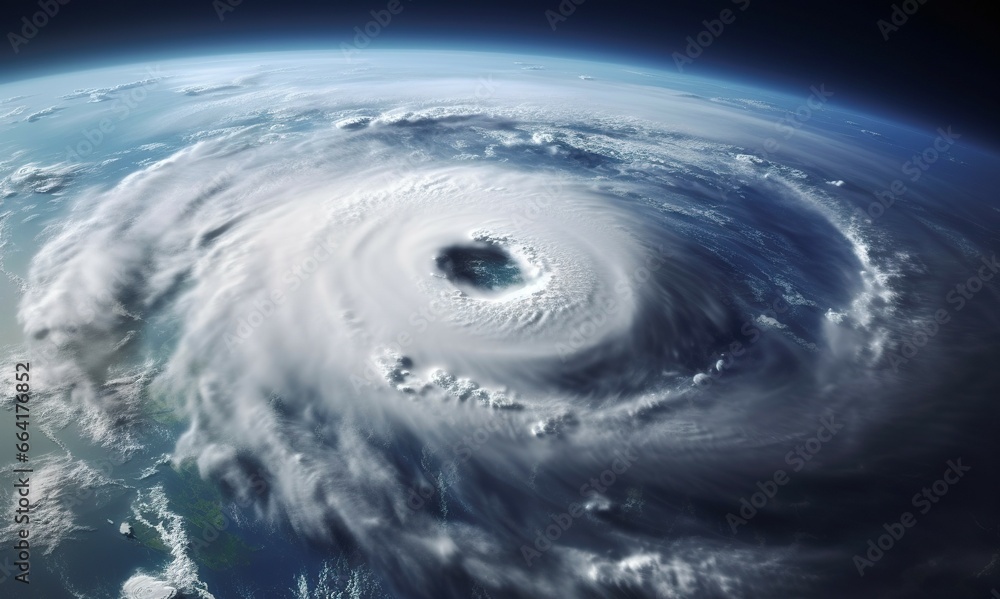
x: 621, y: 462
x: 404, y: 166
x: 703, y: 39
x: 420, y: 320
x: 223, y: 6
x: 565, y: 9
x: 363, y: 36
x: 704, y: 380
x: 31, y: 26
x: 924, y: 500
x: 796, y: 458
x: 914, y: 168
x: 214, y: 528
x: 624, y: 290
x: 128, y: 100
x: 534, y: 205
x: 462, y: 452
x: 485, y: 87
x: 81, y: 496
x: 901, y: 13
x: 960, y: 295
x: 19, y: 569
x: 793, y: 121
x: 268, y: 302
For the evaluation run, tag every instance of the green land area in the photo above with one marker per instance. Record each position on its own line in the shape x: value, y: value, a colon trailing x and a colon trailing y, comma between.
x: 214, y: 543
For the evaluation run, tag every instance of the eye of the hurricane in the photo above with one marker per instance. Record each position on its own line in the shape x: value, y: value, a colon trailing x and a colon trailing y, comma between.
x: 483, y: 267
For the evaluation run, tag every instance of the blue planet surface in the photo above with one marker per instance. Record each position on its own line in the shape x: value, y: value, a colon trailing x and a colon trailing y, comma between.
x: 456, y: 324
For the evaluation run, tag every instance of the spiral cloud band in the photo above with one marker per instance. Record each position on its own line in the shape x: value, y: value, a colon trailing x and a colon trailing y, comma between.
x: 478, y: 340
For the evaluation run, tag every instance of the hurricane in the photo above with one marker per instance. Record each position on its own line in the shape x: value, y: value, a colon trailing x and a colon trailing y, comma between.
x: 499, y: 328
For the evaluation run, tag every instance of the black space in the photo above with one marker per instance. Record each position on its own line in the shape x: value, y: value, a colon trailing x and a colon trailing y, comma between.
x: 938, y: 69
